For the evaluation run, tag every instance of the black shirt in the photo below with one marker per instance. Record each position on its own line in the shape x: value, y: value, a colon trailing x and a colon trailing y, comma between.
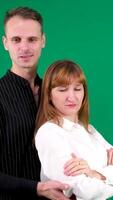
x: 18, y: 156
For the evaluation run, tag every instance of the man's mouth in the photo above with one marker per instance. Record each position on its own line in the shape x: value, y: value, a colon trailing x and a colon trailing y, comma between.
x: 26, y: 56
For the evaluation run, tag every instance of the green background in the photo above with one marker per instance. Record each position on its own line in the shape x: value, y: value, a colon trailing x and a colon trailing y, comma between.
x: 81, y: 30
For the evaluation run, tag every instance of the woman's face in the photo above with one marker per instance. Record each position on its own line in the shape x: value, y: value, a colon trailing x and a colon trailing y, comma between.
x: 68, y: 99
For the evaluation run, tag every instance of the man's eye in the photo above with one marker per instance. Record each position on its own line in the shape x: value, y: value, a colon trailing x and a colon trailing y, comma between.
x: 16, y: 39
x: 33, y: 39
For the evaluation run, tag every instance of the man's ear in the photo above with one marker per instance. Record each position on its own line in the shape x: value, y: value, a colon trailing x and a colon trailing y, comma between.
x: 4, y: 40
x: 43, y: 40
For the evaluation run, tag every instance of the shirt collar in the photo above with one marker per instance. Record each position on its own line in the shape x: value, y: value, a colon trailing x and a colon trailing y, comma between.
x: 68, y: 125
x: 20, y: 80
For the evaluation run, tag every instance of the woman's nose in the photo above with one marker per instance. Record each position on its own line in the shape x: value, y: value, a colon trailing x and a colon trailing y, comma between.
x: 71, y: 96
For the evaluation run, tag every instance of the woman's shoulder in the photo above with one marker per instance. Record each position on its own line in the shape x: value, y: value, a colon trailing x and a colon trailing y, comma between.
x: 91, y: 129
x: 48, y: 128
x: 48, y: 124
x: 48, y: 133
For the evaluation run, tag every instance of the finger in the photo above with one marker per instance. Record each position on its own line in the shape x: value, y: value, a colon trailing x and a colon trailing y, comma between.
x: 58, y: 195
x: 78, y: 163
x: 75, y: 164
x: 74, y: 170
x: 70, y: 166
x: 55, y: 185
x: 83, y: 162
x: 55, y: 195
x: 73, y: 161
x: 110, y: 158
x: 73, y: 155
x: 61, y: 196
x: 109, y: 155
x: 63, y: 186
x: 68, y: 163
x: 82, y: 171
x: 78, y: 172
x: 111, y: 163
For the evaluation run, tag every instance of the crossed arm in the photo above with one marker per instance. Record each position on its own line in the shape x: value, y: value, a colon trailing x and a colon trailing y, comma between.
x: 84, y: 182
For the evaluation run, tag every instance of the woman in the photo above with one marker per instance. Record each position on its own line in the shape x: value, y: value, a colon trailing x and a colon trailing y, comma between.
x: 63, y: 127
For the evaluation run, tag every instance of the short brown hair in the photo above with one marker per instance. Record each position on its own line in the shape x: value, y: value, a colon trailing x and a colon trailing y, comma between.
x: 25, y: 13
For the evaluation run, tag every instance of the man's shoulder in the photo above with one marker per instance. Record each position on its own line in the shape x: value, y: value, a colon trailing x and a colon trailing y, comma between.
x: 4, y: 86
x: 3, y: 78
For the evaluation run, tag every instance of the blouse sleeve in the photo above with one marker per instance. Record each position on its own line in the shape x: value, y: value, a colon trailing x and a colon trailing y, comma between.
x: 54, y: 151
x: 107, y: 171
x: 100, y: 138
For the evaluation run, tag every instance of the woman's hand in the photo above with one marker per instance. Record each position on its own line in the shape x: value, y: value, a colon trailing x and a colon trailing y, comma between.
x: 110, y: 156
x: 95, y: 174
x: 75, y: 166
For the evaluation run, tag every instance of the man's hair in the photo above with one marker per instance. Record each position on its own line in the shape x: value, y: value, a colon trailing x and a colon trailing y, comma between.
x: 25, y: 13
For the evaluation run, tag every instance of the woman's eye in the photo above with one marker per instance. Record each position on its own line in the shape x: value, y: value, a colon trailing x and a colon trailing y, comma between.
x: 62, y: 89
x: 77, y: 89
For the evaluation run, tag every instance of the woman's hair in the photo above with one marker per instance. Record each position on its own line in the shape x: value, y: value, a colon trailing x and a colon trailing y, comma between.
x: 61, y: 73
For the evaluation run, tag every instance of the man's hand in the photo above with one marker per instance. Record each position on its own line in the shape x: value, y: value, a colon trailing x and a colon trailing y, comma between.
x: 52, y: 190
x: 75, y: 166
x: 110, y: 156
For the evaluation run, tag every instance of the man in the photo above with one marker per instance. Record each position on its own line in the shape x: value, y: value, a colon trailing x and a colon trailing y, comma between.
x: 19, y: 98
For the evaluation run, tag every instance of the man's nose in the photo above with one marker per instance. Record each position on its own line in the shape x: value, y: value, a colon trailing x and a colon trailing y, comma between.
x: 24, y: 45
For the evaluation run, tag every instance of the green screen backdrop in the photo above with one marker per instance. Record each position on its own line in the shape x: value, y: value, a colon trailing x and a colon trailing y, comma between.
x: 80, y: 30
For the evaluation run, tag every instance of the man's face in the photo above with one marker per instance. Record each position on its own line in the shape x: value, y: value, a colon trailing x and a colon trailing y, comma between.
x: 24, y: 41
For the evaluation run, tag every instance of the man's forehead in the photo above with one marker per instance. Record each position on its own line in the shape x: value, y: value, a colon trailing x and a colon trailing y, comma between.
x: 20, y: 25
x: 22, y: 37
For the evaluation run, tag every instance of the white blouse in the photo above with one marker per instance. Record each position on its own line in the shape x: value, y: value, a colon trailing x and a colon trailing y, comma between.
x: 55, y: 146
